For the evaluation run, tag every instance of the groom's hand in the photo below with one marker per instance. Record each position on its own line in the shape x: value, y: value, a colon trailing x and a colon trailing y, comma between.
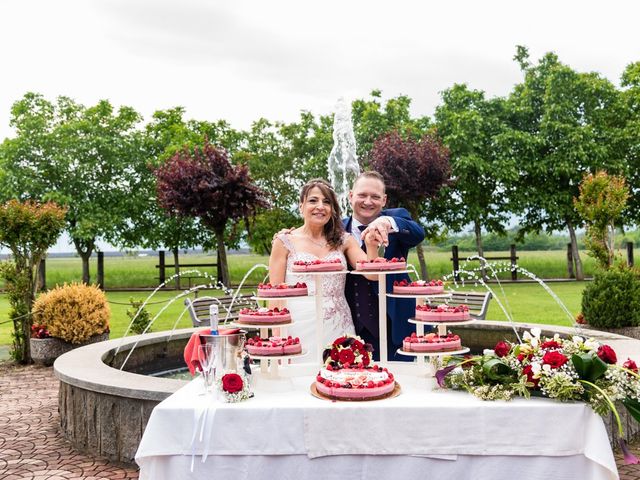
x: 380, y: 228
x: 282, y: 232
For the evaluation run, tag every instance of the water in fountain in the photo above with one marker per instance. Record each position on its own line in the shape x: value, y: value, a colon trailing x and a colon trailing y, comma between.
x: 342, y: 163
x: 211, y: 285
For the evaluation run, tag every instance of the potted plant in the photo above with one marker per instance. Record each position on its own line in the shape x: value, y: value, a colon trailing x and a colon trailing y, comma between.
x: 67, y: 317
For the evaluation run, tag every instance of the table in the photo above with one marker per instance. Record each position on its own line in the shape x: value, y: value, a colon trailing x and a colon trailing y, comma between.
x: 286, y: 433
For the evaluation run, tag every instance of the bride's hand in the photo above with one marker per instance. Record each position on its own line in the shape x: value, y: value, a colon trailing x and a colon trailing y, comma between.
x: 282, y: 232
x: 372, y: 238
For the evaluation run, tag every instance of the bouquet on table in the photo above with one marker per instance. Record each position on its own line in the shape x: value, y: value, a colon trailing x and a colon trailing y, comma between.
x: 564, y: 369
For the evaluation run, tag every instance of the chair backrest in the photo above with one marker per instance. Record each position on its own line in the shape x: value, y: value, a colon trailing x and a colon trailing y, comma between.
x: 478, y: 302
x: 199, y: 308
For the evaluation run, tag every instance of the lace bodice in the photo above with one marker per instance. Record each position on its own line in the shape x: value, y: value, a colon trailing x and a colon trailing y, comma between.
x: 337, y: 316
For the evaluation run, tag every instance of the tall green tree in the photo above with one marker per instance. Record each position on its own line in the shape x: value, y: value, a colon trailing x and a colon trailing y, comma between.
x: 471, y: 126
x: 630, y: 92
x: 563, y: 124
x: 78, y: 157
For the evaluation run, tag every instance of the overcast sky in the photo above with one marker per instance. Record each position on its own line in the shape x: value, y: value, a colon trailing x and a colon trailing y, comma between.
x: 242, y: 60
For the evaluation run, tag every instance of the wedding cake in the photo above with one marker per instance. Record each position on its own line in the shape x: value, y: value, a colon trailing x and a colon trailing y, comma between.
x: 264, y: 316
x: 266, y: 290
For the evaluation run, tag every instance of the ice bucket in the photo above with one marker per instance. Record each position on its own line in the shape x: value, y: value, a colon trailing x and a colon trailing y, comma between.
x: 228, y: 350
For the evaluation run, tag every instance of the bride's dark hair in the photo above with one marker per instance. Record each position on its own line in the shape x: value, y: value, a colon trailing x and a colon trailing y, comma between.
x: 333, y: 229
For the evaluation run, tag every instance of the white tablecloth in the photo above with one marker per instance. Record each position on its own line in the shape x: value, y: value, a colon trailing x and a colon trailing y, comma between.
x: 422, y: 433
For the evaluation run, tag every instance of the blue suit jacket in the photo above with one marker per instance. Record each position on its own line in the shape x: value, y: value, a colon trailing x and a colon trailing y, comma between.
x: 409, y: 234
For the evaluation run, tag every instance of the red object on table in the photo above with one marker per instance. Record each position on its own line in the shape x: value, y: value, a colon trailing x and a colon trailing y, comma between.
x: 191, y: 349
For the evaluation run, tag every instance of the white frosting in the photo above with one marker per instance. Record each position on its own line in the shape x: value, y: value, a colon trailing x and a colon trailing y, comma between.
x: 360, y: 376
x: 263, y: 310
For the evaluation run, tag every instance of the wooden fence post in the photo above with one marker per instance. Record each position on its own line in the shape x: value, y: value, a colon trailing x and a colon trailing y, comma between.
x: 456, y: 262
x: 100, y: 274
x: 570, y: 262
x: 161, y: 264
x: 42, y: 276
x: 514, y: 272
x: 630, y: 254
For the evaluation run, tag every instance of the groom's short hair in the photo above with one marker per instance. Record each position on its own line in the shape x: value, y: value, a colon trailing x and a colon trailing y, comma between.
x: 371, y: 174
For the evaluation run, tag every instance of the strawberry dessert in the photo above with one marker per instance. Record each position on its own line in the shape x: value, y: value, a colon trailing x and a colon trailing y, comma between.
x: 382, y: 263
x: 442, y: 313
x: 282, y: 290
x: 264, y: 316
x: 318, y: 266
x: 273, y: 346
x: 431, y: 342
x: 348, y: 374
x: 420, y: 287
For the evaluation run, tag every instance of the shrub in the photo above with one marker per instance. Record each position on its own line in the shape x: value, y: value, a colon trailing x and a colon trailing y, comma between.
x: 73, y: 312
x: 612, y: 300
x: 142, y: 320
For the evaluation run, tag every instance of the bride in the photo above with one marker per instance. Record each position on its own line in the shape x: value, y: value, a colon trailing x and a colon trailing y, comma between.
x: 322, y: 236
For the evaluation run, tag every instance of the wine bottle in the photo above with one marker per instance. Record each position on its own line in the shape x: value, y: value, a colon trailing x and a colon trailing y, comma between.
x: 213, y: 319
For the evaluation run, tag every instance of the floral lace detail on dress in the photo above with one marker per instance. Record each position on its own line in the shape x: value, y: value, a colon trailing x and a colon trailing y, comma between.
x: 337, y: 315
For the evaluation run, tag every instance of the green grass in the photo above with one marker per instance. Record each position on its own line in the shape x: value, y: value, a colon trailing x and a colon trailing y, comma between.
x: 527, y: 303
x: 136, y: 272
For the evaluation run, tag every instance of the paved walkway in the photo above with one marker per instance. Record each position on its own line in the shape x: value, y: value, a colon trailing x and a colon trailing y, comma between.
x: 32, y: 447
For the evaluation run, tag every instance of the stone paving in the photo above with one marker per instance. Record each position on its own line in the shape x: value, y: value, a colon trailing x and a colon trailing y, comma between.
x: 32, y: 447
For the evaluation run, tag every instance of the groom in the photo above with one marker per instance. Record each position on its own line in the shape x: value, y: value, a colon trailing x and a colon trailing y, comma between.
x: 396, y: 229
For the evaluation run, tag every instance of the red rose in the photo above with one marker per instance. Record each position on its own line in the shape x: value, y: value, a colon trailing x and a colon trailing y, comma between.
x: 339, y: 340
x: 528, y: 371
x: 554, y: 359
x: 232, y: 383
x: 347, y: 356
x: 630, y: 365
x: 550, y: 344
x: 335, y: 355
x: 607, y: 355
x: 502, y: 349
x: 366, y: 360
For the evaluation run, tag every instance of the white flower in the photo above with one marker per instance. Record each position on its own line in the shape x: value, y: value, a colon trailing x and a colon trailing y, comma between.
x: 535, y: 331
x: 535, y: 369
x: 526, y: 336
x: 591, y: 344
x: 547, y: 368
x: 488, y: 351
x: 577, y: 340
x: 534, y: 342
x: 556, y: 337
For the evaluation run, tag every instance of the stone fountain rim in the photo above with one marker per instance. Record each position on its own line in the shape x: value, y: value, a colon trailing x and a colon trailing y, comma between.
x: 85, y: 368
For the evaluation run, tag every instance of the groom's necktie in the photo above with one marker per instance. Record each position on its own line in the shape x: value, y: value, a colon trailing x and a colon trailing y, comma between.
x: 362, y: 229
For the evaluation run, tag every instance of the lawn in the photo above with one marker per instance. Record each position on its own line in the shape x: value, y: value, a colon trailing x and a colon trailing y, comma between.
x: 129, y: 271
x: 526, y: 302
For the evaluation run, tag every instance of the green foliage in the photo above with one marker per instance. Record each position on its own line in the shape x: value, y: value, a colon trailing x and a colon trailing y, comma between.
x: 612, y: 300
x: 27, y: 229
x: 140, y: 316
x: 588, y: 366
x: 602, y: 199
x: 74, y: 312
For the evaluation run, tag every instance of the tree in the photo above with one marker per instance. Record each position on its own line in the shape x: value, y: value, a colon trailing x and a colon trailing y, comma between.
x: 631, y: 136
x: 27, y: 229
x: 602, y: 199
x: 413, y: 171
x: 471, y: 127
x: 563, y: 124
x: 79, y: 157
x: 205, y: 185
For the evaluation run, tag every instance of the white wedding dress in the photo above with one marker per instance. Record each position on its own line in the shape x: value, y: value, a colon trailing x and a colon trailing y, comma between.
x: 336, y: 312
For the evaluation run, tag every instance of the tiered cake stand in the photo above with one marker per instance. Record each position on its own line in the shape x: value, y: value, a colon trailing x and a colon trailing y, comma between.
x: 430, y: 361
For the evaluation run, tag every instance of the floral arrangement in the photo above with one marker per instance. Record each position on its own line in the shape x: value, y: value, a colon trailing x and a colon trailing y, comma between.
x: 233, y: 387
x: 347, y: 351
x: 563, y: 369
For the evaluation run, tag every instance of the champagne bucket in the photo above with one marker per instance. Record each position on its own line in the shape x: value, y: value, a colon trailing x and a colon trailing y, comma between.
x: 228, y: 350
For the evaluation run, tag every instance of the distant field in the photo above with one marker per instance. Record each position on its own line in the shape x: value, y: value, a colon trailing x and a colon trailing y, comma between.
x: 136, y: 272
x: 526, y: 302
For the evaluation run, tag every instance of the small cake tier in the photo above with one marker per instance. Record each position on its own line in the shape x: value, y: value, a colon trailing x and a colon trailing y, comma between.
x: 273, y: 346
x: 431, y: 343
x: 420, y: 287
x: 381, y: 263
x: 266, y: 290
x: 367, y: 383
x: 266, y: 316
x: 442, y: 313
x: 318, y: 266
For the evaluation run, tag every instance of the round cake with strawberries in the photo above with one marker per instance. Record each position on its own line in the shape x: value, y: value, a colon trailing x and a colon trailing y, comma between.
x: 266, y: 290
x: 273, y: 346
x: 318, y: 266
x: 431, y: 342
x: 382, y: 263
x: 442, y: 313
x: 348, y: 374
x: 419, y: 287
x: 264, y: 316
